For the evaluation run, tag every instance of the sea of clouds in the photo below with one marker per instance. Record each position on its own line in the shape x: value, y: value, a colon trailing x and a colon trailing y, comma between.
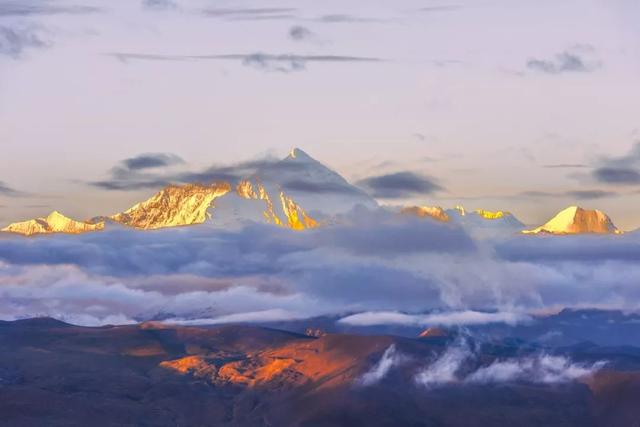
x: 374, y: 267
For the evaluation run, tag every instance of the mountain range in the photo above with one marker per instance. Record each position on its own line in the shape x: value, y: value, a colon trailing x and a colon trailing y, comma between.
x: 297, y: 192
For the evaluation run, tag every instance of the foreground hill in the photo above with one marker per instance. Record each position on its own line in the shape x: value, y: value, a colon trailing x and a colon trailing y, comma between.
x: 161, y: 375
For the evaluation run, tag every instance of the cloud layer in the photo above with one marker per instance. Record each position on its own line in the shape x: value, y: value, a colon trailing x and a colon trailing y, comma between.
x: 375, y: 266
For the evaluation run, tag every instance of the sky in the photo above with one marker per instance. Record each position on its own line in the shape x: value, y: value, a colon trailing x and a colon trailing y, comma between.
x: 527, y: 106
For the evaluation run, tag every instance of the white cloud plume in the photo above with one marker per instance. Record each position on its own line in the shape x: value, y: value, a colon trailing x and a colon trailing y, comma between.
x: 449, y: 368
x: 542, y: 368
x: 390, y: 358
x: 444, y: 370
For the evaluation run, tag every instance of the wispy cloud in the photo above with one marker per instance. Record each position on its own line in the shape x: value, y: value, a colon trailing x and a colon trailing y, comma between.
x: 572, y: 60
x: 284, y: 63
x: 345, y: 18
x: 133, y: 173
x: 622, y: 170
x: 441, y: 8
x: 565, y: 166
x: 30, y: 8
x: 5, y: 190
x: 571, y: 194
x: 159, y: 4
x: 543, y: 368
x: 390, y: 359
x: 251, y: 14
x: 453, y: 367
x: 300, y: 33
x: 15, y: 40
x: 400, y: 185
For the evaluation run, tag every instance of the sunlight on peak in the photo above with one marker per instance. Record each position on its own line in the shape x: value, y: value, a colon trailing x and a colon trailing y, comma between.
x: 492, y: 214
x: 576, y: 220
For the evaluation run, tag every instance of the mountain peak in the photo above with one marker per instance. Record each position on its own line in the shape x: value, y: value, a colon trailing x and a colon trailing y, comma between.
x: 55, y: 222
x: 435, y: 212
x: 298, y: 154
x: 576, y: 220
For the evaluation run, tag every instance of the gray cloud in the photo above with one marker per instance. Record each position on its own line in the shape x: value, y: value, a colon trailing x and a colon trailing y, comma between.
x: 5, y: 190
x: 124, y: 178
x: 623, y: 170
x: 251, y: 14
x: 611, y: 175
x: 299, y: 33
x: 159, y: 4
x: 15, y: 40
x: 571, y: 60
x: 400, y: 185
x: 284, y: 63
x: 591, y: 194
x: 344, y: 18
x: 442, y: 8
x: 572, y: 194
x: 374, y: 262
x: 30, y: 8
x: 565, y: 166
x: 151, y: 160
x: 132, y: 174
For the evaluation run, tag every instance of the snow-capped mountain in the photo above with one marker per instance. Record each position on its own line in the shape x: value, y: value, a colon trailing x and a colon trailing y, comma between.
x: 55, y: 222
x: 435, y: 212
x: 485, y: 218
x: 479, y: 218
x: 297, y: 192
x: 576, y: 220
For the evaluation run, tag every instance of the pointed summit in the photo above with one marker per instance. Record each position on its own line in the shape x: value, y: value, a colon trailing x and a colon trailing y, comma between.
x: 55, y: 222
x: 297, y: 153
x: 576, y: 220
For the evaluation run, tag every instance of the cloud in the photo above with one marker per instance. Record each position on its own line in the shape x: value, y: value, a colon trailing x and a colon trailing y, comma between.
x: 441, y: 8
x: 543, y: 368
x: 565, y: 166
x: 569, y: 61
x: 444, y: 369
x: 611, y: 175
x: 151, y: 160
x: 286, y: 174
x: 344, y: 18
x: 26, y: 8
x: 591, y: 194
x: 571, y: 194
x: 390, y: 358
x: 467, y: 317
x: 381, y: 267
x: 300, y: 33
x: 133, y: 173
x: 159, y: 4
x: 621, y: 170
x: 458, y: 365
x: 251, y: 14
x: 5, y: 190
x: 284, y: 63
x: 14, y: 41
x: 400, y: 185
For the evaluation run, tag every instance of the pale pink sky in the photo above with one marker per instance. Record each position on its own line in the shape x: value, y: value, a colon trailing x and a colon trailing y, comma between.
x: 454, y: 96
